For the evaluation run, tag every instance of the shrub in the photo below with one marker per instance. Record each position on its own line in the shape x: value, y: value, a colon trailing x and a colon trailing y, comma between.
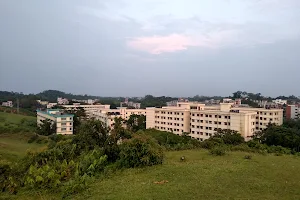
x: 218, y: 151
x: 140, y: 150
x: 33, y: 138
x: 248, y: 157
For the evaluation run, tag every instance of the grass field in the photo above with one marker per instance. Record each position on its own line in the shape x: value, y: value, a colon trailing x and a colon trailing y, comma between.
x: 202, y: 176
x: 14, y: 145
x: 14, y: 118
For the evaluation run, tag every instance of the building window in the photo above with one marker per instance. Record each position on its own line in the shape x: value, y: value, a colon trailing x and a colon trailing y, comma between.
x: 216, y: 116
x: 63, y: 119
x: 225, y: 123
x: 193, y: 120
x: 220, y: 116
x: 198, y: 126
x: 201, y: 121
x: 70, y: 129
x: 201, y: 115
x: 193, y: 126
x: 198, y: 115
x: 206, y: 134
x: 63, y: 129
x: 220, y: 123
x: 216, y: 122
x: 206, y: 115
x: 63, y: 124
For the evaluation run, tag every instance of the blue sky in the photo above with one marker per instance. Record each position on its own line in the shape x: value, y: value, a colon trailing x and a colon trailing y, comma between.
x: 159, y: 47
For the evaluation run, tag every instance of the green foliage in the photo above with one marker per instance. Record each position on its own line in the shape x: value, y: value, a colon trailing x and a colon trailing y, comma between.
x: 171, y: 141
x: 140, y: 150
x: 248, y: 157
x: 217, y: 151
x: 287, y: 136
x: 47, y: 127
x: 228, y: 136
x: 136, y: 122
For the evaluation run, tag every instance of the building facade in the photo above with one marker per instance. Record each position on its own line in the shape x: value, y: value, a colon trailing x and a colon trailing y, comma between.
x: 64, y: 122
x: 7, y: 104
x: 107, y: 116
x: 292, y: 111
x: 202, y: 121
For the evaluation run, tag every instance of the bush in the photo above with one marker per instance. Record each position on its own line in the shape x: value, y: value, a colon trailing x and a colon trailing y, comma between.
x: 218, y: 151
x: 33, y: 138
x: 140, y: 150
x: 248, y: 157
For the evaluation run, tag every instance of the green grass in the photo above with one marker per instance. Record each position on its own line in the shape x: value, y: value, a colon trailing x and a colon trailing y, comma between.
x: 14, y: 118
x: 14, y: 146
x: 201, y: 176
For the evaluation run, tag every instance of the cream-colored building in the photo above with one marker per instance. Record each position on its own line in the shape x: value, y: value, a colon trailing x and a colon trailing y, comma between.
x: 202, y: 121
x: 64, y: 122
x: 107, y: 116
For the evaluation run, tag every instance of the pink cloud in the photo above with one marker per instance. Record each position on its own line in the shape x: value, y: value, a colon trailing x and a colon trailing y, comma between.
x: 161, y: 44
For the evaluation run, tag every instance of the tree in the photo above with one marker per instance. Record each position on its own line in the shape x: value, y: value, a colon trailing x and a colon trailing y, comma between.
x: 228, y: 136
x: 136, y: 122
x: 91, y: 134
x: 47, y: 127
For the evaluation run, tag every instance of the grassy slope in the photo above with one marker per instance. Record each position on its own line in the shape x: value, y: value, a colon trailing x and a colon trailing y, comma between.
x: 14, y: 118
x: 202, y: 176
x: 14, y: 146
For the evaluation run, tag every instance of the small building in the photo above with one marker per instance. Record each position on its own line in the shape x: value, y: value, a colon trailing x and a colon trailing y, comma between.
x: 7, y: 104
x: 51, y: 105
x: 63, y: 121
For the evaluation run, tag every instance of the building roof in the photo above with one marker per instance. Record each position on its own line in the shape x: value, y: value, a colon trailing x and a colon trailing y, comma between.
x: 55, y: 115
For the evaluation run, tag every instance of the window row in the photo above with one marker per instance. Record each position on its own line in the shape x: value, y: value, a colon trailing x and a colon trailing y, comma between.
x: 216, y: 116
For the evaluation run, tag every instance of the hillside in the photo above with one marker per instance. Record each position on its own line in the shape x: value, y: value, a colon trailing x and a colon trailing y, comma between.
x: 202, y: 176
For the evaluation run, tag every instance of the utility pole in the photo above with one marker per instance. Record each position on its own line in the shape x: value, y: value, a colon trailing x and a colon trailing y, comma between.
x: 18, y: 105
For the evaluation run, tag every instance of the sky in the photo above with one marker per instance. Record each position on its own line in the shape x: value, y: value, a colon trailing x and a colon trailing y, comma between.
x: 157, y: 47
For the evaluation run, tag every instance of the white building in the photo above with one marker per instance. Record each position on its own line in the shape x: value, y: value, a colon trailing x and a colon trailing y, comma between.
x: 279, y: 101
x: 7, y: 104
x: 202, y: 121
x: 62, y: 101
x: 51, y: 105
x: 107, y: 116
x: 43, y: 103
x: 64, y: 122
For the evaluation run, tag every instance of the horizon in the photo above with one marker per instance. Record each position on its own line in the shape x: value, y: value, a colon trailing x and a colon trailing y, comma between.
x: 224, y: 96
x: 164, y: 48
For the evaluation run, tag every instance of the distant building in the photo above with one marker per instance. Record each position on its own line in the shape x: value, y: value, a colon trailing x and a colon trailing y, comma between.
x: 212, y: 102
x: 127, y: 103
x: 88, y: 101
x: 174, y: 102
x: 64, y: 122
x: 43, y: 103
x: 107, y: 116
x: 279, y: 101
x: 51, y: 105
x: 62, y: 101
x: 202, y: 121
x: 292, y: 111
x: 7, y: 104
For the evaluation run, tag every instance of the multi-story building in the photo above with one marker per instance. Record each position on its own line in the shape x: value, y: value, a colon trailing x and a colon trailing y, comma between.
x: 292, y: 111
x: 107, y: 116
x: 64, y: 122
x: 132, y: 104
x: 7, y: 104
x: 87, y: 108
x: 202, y: 121
x: 62, y: 101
